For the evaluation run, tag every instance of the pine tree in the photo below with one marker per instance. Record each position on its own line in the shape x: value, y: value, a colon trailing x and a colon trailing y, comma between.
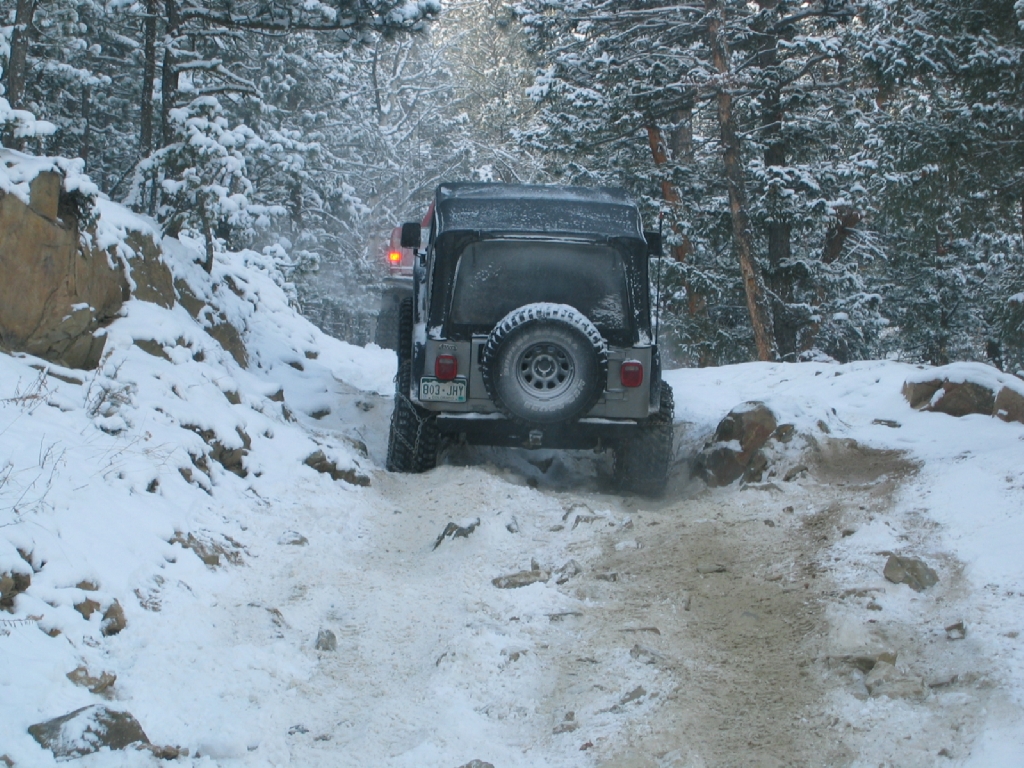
x: 202, y: 176
x: 948, y: 142
x: 744, y: 112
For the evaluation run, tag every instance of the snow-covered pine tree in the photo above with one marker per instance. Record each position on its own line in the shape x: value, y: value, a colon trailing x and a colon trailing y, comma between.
x: 948, y: 141
x: 623, y: 77
x: 387, y: 119
x: 202, y: 177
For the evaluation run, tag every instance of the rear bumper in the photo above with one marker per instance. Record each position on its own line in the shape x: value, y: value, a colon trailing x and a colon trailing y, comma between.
x: 495, y: 429
x: 398, y: 284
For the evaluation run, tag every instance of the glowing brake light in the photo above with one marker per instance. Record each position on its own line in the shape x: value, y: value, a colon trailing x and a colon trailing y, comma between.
x: 631, y: 374
x: 394, y: 256
x: 446, y: 367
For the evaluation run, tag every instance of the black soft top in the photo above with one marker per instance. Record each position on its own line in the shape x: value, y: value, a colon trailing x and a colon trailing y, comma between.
x: 466, y: 213
x: 526, y: 208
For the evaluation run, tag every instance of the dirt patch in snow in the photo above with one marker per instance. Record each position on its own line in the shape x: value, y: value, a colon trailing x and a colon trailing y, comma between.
x: 724, y: 627
x: 726, y: 593
x: 739, y: 599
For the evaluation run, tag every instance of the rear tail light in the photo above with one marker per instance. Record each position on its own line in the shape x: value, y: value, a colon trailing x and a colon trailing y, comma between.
x: 631, y: 374
x: 394, y: 256
x: 446, y: 367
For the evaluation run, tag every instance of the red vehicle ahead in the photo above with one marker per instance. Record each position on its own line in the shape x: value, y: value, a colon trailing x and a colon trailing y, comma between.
x: 399, y: 258
x: 398, y: 284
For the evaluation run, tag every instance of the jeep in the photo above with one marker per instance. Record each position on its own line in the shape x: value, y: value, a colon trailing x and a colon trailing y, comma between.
x: 530, y: 325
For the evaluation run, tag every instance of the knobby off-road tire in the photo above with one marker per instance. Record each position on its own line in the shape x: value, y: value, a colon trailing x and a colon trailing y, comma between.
x: 642, y: 462
x: 403, y: 323
x: 414, y: 439
x: 386, y: 336
x: 544, y: 364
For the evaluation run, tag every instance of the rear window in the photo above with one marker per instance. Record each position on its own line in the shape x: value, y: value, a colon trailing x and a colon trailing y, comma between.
x: 494, y: 277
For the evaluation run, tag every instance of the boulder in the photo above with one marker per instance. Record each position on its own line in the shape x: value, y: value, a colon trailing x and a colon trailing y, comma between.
x: 318, y: 460
x: 113, y: 620
x: 920, y: 393
x: 12, y: 584
x: 750, y: 423
x: 885, y: 679
x: 150, y: 278
x: 52, y: 296
x: 962, y: 397
x: 223, y: 332
x: 44, y: 195
x: 956, y: 631
x: 735, y: 449
x: 1009, y: 405
x: 755, y: 467
x: 911, y: 571
x: 719, y: 465
x: 88, y: 730
x: 326, y: 640
x: 229, y: 458
x: 87, y: 607
x: 522, y: 578
x: 82, y: 677
x: 865, y: 661
x: 210, y: 552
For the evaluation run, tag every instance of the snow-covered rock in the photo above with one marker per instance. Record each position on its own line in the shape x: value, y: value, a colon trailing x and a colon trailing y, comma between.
x: 960, y: 389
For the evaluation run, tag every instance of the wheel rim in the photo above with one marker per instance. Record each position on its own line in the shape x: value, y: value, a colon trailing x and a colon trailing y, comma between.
x: 545, y: 370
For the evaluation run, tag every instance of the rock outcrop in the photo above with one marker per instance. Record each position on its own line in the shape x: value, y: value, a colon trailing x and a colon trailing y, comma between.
x: 53, y: 296
x: 56, y: 293
x: 60, y: 287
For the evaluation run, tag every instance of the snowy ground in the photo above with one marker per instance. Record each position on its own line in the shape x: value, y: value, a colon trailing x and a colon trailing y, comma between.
x: 711, y: 628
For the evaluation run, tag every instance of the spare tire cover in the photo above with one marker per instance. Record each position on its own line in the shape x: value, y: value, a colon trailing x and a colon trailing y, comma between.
x: 545, y: 364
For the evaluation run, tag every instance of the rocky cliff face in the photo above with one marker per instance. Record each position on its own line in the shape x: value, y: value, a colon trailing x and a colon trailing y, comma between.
x: 56, y: 294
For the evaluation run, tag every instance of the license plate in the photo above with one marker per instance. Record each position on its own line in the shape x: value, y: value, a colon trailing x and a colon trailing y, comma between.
x: 443, y: 391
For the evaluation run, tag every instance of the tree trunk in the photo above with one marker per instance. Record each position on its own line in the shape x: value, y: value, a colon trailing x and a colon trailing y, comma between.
x: 87, y: 123
x: 18, y: 59
x: 17, y: 63
x: 296, y: 206
x: 668, y: 192
x: 753, y: 281
x: 148, y: 80
x: 778, y: 228
x: 169, y: 75
x: 846, y: 219
x: 208, y: 237
x: 680, y: 144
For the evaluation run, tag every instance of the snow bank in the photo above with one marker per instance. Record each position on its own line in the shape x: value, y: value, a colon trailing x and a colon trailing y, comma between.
x: 116, y: 482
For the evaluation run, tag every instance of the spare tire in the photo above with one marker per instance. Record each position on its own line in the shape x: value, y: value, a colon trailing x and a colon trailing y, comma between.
x: 544, y: 364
